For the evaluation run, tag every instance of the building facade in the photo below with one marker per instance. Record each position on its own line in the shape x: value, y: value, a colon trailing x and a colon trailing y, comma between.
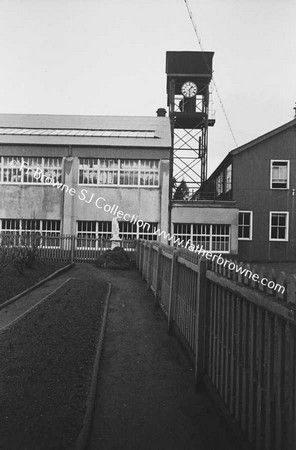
x: 261, y: 178
x: 70, y: 175
x: 211, y: 225
x: 73, y: 174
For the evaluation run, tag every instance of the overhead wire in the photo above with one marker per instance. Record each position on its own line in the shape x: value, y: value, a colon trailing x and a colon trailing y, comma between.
x: 213, y: 79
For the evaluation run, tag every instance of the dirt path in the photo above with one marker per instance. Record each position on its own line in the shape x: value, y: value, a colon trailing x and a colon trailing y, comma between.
x: 145, y: 394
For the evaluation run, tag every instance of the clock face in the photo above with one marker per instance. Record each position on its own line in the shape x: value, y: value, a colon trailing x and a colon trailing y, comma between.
x: 189, y: 89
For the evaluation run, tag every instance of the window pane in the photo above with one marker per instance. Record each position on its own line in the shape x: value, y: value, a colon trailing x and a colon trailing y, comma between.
x: 129, y: 172
x: 282, y: 233
x: 214, y: 238
x: 146, y: 232
x: 11, y: 173
x: 244, y: 225
x: 278, y: 226
x: 108, y: 171
x: 279, y: 174
x: 53, y: 168
x: 88, y: 171
x: 127, y: 230
x: 281, y: 220
x: 149, y: 172
x: 228, y: 178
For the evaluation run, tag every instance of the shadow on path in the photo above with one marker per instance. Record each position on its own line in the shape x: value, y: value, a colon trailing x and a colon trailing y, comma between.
x: 145, y: 394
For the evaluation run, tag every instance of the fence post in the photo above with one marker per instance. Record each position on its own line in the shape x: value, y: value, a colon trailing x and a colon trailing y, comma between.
x: 158, y: 276
x: 137, y: 254
x: 200, y: 321
x: 173, y: 289
x: 149, y: 266
x: 141, y: 258
x: 72, y: 248
x: 144, y: 262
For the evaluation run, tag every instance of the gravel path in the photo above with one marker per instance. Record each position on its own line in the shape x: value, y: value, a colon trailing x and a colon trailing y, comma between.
x: 145, y: 394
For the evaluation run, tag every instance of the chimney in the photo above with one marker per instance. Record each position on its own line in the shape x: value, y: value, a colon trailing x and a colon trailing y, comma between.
x: 161, y: 112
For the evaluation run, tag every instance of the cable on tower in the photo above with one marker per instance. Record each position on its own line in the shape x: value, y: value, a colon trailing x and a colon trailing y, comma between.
x: 213, y: 79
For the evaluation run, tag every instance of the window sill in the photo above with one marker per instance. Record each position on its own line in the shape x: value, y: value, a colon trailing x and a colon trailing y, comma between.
x: 278, y: 240
x: 118, y: 186
x: 279, y: 189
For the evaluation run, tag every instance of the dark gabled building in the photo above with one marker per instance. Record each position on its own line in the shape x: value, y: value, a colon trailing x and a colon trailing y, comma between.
x: 260, y: 177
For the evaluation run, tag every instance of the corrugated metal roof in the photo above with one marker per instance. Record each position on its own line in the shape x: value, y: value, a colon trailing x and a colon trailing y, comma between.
x: 66, y: 132
x: 85, y: 130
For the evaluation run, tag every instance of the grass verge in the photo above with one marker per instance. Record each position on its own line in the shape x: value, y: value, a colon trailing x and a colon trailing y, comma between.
x: 47, y: 361
x: 12, y: 283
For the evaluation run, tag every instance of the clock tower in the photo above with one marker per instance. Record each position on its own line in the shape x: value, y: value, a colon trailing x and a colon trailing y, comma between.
x: 188, y: 78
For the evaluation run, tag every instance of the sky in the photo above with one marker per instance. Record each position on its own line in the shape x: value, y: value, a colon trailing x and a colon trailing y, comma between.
x: 107, y: 57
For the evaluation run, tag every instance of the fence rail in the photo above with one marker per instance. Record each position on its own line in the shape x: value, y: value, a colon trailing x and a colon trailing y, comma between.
x: 241, y: 334
x: 62, y: 247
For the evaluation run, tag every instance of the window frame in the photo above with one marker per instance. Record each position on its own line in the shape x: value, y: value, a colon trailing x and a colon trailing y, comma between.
x: 206, y: 233
x: 98, y: 234
x: 45, y: 232
x: 286, y: 239
x: 28, y: 171
x: 251, y: 227
x: 137, y: 231
x: 220, y: 183
x: 119, y: 171
x: 228, y: 178
x: 22, y: 229
x: 288, y: 174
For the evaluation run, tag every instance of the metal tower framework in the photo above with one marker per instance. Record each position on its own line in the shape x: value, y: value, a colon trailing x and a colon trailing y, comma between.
x: 189, y: 116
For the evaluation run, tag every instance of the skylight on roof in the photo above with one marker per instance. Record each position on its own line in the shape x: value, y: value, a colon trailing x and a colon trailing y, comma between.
x: 77, y: 132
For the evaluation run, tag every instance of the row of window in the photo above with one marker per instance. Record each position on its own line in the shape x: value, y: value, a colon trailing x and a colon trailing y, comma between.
x: 118, y: 172
x: 85, y: 229
x: 278, y: 225
x: 15, y: 170
x: 279, y: 177
x: 128, y: 172
x: 93, y: 171
x: 214, y: 238
x: 127, y: 230
x: 27, y: 226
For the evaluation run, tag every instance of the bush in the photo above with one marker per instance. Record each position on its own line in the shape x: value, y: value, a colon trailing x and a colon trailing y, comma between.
x: 25, y: 252
x: 5, y: 258
x: 113, y: 259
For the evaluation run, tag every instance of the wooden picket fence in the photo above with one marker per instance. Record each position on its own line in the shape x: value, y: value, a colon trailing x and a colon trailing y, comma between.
x: 63, y: 247
x: 241, y: 335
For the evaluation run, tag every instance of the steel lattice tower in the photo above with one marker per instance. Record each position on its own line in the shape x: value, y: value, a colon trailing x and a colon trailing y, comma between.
x: 188, y: 79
